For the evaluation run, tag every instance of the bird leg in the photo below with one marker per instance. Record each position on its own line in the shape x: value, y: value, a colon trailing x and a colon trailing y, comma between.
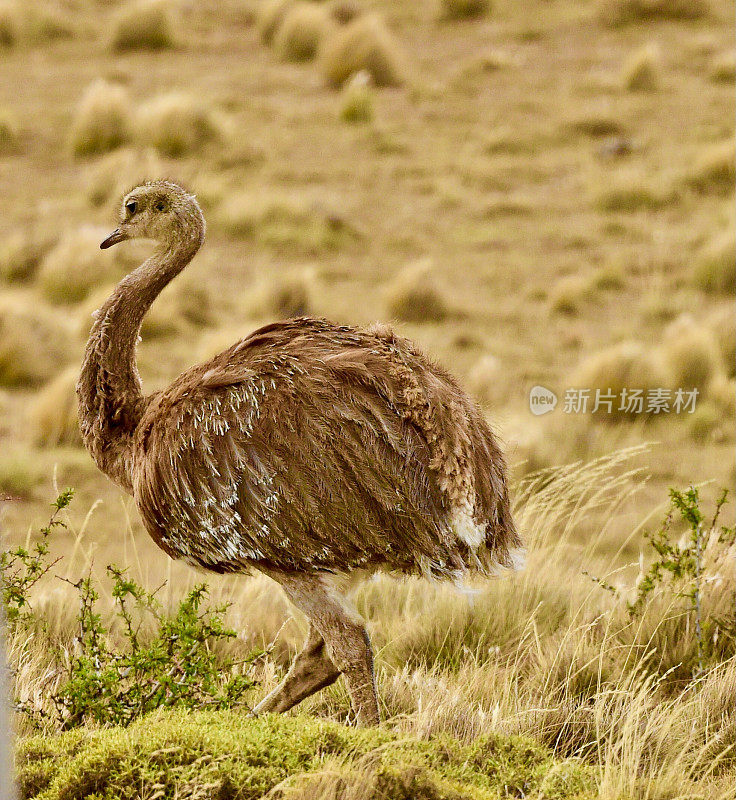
x: 310, y: 671
x: 344, y: 635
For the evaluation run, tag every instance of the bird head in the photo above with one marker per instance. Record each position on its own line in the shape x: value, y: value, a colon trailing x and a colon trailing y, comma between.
x: 158, y: 210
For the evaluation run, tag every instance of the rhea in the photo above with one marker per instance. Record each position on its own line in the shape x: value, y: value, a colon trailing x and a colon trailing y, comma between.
x: 308, y: 450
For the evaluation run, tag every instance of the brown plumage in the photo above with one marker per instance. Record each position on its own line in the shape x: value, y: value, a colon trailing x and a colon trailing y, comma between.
x: 307, y: 450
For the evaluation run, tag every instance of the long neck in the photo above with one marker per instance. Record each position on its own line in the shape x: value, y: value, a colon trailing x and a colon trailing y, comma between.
x: 109, y: 387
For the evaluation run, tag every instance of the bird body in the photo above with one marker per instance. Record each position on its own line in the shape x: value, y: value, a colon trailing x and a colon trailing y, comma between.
x: 313, y: 446
x: 307, y: 449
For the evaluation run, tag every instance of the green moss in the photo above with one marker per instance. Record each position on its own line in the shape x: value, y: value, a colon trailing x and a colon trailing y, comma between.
x: 172, y: 753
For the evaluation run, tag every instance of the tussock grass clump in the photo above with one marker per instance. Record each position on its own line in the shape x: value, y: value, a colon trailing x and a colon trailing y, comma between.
x: 568, y: 294
x: 413, y: 295
x: 627, y: 12
x: 692, y: 354
x: 344, y: 11
x: 363, y: 44
x: 102, y: 120
x: 356, y: 103
x: 76, y: 265
x: 284, y: 223
x: 631, y: 193
x: 178, y: 123
x: 9, y: 132
x: 270, y: 16
x: 715, y: 270
x: 715, y: 171
x: 9, y: 28
x: 642, y: 71
x: 625, y: 366
x: 596, y: 125
x: 22, y: 22
x: 114, y: 174
x: 488, y: 381
x: 21, y: 253
x: 286, y: 295
x: 20, y: 473
x: 33, y: 344
x: 463, y: 9
x: 723, y: 325
x: 304, y: 27
x: 184, y: 302
x: 53, y: 412
x: 143, y: 25
x: 723, y: 68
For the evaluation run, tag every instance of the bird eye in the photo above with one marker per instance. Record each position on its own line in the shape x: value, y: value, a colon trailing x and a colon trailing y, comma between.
x: 160, y: 206
x: 131, y: 207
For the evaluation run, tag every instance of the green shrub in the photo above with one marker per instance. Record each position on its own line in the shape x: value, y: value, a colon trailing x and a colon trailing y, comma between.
x: 173, y: 666
x: 464, y: 9
x: 143, y: 25
x: 304, y: 27
x: 363, y: 44
x: 102, y: 120
x: 631, y: 193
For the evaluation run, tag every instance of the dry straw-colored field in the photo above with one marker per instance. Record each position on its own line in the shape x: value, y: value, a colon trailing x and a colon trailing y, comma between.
x: 538, y: 193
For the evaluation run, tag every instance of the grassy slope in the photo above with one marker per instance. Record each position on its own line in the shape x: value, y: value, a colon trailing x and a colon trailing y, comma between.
x: 227, y: 755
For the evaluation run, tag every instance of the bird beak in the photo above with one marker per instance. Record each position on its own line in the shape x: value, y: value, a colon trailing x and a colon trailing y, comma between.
x: 116, y: 236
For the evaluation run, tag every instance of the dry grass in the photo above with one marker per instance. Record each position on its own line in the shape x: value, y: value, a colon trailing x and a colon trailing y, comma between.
x: 414, y: 296
x: 544, y: 654
x: 363, y: 44
x: 143, y: 25
x: 102, y: 120
x: 305, y: 25
x: 33, y: 344
x: 344, y: 11
x: 630, y: 12
x: 569, y: 294
x: 270, y: 16
x: 285, y: 295
x: 628, y: 365
x: 9, y: 132
x: 715, y: 170
x: 113, y: 175
x: 488, y: 381
x: 21, y: 254
x: 723, y: 325
x: 178, y: 123
x: 464, y: 9
x: 723, y: 68
x: 76, y: 265
x: 53, y: 413
x: 31, y: 23
x: 692, y: 354
x: 356, y: 102
x: 715, y: 269
x: 643, y: 70
x: 630, y: 192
